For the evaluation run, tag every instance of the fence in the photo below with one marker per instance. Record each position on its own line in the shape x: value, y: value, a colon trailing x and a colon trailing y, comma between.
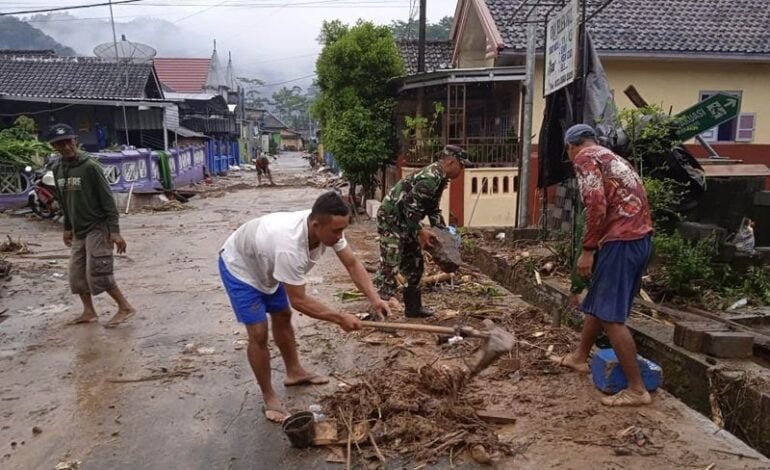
x: 222, y: 154
x: 482, y: 151
x: 140, y: 168
x: 331, y: 163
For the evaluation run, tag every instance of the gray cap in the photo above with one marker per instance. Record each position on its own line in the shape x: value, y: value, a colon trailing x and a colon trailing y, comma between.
x: 579, y: 132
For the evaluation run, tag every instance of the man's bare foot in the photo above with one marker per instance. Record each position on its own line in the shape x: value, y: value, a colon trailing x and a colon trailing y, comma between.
x: 85, y: 317
x: 121, y: 317
x: 570, y: 362
x: 274, y: 411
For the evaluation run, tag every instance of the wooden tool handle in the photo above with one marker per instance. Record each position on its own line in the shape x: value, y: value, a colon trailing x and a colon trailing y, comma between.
x: 443, y: 330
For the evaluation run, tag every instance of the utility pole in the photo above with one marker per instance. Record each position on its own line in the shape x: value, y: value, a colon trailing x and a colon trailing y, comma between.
x: 421, y: 39
x: 526, y: 137
x: 117, y: 64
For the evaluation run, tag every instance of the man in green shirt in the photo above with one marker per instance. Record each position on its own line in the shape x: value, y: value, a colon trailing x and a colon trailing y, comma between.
x: 90, y: 226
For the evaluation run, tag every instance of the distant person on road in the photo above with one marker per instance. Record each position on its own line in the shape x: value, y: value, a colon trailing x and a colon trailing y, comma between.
x: 91, y: 226
x: 263, y: 168
x: 402, y: 237
x: 263, y: 266
x: 617, y: 244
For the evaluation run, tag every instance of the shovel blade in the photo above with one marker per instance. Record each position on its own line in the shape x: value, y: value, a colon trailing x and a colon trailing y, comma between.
x: 497, y: 343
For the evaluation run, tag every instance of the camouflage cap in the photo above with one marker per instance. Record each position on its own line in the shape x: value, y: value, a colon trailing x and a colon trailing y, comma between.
x: 457, y: 152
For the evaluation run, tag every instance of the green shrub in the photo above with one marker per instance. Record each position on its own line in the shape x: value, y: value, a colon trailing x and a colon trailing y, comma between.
x: 754, y: 284
x: 663, y: 196
x: 686, y: 265
x: 19, y: 145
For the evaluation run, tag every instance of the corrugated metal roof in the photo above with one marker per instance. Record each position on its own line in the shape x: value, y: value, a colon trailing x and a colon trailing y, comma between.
x: 183, y: 75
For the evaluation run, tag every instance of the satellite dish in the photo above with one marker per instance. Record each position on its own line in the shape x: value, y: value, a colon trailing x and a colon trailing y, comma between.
x: 126, y: 51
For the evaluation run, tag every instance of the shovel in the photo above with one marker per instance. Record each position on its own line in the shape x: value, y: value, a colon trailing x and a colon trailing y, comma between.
x: 496, y: 341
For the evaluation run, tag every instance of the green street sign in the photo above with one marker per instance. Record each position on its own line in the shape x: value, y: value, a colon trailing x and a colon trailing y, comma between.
x: 707, y: 114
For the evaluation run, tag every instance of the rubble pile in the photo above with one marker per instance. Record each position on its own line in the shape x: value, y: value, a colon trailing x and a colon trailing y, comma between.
x: 168, y: 206
x: 324, y: 178
x: 421, y: 413
x: 17, y: 246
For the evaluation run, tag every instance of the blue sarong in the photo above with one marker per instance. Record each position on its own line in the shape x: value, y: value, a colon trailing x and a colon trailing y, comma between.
x: 616, y: 279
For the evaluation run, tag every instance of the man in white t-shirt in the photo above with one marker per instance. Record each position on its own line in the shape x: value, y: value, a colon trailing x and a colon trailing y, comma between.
x: 263, y: 266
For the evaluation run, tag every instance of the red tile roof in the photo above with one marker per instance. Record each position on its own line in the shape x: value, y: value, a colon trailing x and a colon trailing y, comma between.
x: 182, y: 75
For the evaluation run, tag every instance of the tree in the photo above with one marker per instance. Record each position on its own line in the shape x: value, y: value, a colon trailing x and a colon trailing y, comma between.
x: 251, y: 92
x: 331, y: 31
x: 354, y: 104
x: 438, y: 31
x: 292, y: 106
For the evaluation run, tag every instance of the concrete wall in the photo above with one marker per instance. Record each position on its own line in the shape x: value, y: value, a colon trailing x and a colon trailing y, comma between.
x: 490, y: 197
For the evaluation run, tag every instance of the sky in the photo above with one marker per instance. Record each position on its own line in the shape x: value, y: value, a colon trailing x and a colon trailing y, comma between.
x: 274, y: 40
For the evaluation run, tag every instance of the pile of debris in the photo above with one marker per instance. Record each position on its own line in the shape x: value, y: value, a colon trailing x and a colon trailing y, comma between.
x: 420, y: 413
x: 324, y: 178
x: 168, y: 206
x: 17, y: 246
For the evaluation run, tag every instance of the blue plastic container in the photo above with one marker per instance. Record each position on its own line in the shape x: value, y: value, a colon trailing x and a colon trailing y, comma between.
x: 609, y: 377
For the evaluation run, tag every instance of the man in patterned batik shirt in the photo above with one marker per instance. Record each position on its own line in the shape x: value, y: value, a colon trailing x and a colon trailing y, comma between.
x: 617, y: 244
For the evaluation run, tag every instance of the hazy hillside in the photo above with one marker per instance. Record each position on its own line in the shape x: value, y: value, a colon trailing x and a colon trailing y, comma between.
x: 15, y: 34
x: 85, y: 34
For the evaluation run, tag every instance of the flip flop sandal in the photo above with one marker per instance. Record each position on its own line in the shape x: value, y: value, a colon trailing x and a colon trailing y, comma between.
x: 281, y: 410
x: 627, y: 398
x: 309, y: 380
x: 559, y: 361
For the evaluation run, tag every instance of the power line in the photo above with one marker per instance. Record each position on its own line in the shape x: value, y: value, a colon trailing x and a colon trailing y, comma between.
x: 321, y: 4
x: 200, y: 11
x: 72, y: 7
x: 288, y: 81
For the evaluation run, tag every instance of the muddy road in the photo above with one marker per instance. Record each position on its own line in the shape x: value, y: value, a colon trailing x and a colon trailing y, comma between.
x: 131, y: 397
x: 171, y: 389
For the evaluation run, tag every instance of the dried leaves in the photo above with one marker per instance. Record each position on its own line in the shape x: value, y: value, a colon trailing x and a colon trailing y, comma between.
x: 424, y: 413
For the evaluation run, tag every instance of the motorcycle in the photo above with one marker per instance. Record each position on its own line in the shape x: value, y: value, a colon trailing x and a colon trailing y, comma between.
x: 42, y: 198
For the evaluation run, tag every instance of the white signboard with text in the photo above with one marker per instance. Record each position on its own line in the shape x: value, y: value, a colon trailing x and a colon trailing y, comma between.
x: 561, y: 48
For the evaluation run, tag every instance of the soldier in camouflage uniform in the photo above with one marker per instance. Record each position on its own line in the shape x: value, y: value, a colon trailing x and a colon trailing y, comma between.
x: 398, y: 223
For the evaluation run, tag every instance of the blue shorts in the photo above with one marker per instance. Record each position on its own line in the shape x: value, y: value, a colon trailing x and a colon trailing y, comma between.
x: 249, y: 304
x: 617, y: 278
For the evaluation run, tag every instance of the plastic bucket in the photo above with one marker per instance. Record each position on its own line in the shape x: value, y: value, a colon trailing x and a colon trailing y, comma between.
x: 299, y: 429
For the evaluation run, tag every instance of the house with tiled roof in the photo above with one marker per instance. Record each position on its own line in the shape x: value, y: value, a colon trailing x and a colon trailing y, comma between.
x: 438, y: 55
x: 207, y: 95
x: 675, y: 52
x: 183, y: 75
x: 272, y: 129
x: 88, y: 93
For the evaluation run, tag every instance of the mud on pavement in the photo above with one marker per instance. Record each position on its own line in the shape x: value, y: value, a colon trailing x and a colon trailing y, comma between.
x: 172, y: 388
